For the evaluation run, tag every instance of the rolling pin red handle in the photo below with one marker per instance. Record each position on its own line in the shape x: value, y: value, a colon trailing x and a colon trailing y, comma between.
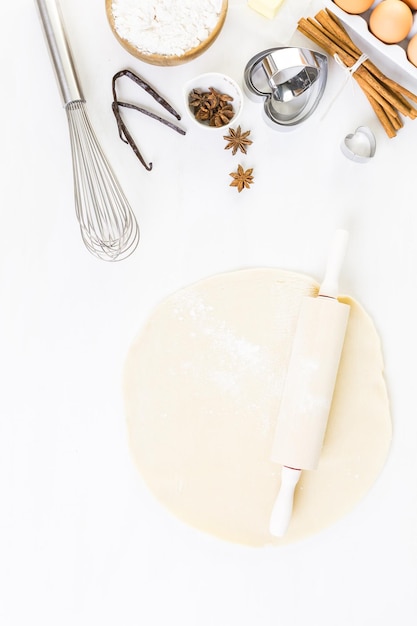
x: 282, y: 510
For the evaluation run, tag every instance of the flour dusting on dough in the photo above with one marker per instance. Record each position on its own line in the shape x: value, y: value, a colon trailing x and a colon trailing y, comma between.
x: 237, y: 357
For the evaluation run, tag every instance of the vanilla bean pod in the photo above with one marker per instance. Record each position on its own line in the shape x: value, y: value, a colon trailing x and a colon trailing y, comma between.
x: 124, y: 132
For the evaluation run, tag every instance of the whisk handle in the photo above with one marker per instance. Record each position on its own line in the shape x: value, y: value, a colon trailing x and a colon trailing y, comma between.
x: 59, y: 50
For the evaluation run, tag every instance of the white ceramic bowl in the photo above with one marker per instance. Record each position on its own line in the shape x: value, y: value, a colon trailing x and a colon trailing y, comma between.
x: 221, y: 83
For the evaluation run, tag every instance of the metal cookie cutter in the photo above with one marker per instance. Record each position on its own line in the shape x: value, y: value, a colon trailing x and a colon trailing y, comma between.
x: 290, y: 80
x: 359, y: 146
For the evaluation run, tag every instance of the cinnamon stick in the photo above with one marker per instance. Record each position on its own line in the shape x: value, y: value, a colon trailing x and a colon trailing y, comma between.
x: 387, y: 98
x: 370, y: 89
x: 408, y: 94
x: 386, y: 122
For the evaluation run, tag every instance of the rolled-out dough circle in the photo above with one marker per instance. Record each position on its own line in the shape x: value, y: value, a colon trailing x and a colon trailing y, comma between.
x: 202, y: 387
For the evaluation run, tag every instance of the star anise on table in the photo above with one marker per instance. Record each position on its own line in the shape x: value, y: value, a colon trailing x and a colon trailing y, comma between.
x: 242, y: 178
x: 237, y: 140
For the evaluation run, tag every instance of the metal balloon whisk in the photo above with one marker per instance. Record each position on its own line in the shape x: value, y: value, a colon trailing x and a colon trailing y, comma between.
x: 108, y: 226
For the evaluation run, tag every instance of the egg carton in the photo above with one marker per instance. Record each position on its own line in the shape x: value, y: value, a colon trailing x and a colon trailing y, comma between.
x: 394, y: 54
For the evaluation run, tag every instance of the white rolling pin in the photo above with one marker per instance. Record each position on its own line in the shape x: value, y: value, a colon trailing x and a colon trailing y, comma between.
x: 309, y: 385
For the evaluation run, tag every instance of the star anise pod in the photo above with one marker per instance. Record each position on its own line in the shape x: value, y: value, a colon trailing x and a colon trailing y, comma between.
x: 222, y: 116
x: 203, y: 114
x: 242, y: 178
x: 213, y: 98
x: 197, y: 98
x: 237, y: 140
x: 224, y: 98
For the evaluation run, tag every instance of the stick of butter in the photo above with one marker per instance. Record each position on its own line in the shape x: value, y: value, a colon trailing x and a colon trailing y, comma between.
x: 268, y: 8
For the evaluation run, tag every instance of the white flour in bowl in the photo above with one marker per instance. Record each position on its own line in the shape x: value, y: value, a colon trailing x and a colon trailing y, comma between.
x: 167, y: 27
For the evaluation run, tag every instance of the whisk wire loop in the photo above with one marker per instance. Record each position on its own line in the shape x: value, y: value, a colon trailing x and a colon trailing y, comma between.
x: 108, y: 227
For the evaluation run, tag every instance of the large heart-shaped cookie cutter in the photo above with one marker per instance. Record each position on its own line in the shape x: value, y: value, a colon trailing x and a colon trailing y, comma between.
x: 291, y: 82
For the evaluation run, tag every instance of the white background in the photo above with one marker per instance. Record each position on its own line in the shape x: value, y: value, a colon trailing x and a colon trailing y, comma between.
x: 82, y: 541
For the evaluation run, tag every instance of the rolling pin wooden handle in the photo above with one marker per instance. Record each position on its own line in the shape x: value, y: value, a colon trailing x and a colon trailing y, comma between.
x: 282, y: 511
x: 330, y: 285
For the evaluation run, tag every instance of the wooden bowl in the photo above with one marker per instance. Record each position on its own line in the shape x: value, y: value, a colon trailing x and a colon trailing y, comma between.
x: 160, y: 59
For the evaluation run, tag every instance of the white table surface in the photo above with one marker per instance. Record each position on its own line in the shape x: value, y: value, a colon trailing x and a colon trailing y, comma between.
x: 82, y: 541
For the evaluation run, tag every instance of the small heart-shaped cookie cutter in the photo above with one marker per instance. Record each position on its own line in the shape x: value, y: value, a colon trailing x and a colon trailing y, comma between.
x: 359, y: 146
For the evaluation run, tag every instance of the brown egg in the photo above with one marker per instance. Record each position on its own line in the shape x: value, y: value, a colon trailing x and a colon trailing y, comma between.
x: 391, y: 21
x: 412, y: 4
x: 354, y: 6
x: 412, y: 50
